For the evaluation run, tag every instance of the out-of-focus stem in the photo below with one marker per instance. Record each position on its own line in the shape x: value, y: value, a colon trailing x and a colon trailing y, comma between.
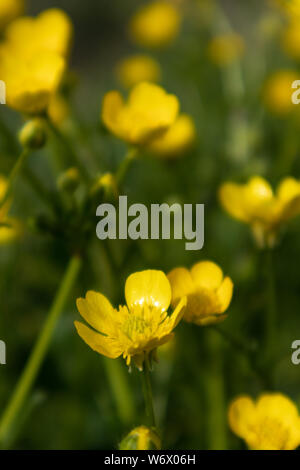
x: 39, y: 351
x: 147, y: 390
x: 271, y: 303
x: 70, y: 152
x: 216, y: 424
x: 13, y: 175
x: 120, y: 389
x: 125, y: 165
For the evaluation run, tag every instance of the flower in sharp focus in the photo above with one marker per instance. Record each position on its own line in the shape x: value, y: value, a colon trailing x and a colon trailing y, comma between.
x: 179, y: 138
x: 277, y: 92
x: 138, y: 68
x: 148, y: 112
x: 270, y: 423
x: 225, y: 49
x: 51, y: 31
x: 9, y: 10
x: 208, y: 292
x: 141, y: 438
x: 155, y: 24
x: 255, y: 203
x: 134, y: 330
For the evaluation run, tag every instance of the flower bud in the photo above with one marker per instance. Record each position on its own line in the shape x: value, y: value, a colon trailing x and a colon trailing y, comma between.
x: 106, y: 184
x: 141, y: 438
x: 33, y: 134
x: 69, y: 180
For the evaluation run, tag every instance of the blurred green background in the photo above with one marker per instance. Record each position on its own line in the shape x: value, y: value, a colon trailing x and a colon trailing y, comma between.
x: 71, y: 406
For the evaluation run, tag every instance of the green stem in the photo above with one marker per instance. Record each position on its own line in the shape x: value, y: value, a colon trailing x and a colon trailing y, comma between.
x: 39, y: 351
x: 147, y: 390
x: 271, y: 304
x: 120, y: 389
x: 215, y: 394
x: 70, y: 152
x: 13, y: 175
x: 125, y: 165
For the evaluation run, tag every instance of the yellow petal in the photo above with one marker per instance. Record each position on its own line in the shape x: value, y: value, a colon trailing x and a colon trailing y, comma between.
x: 96, y: 341
x: 289, y: 195
x: 172, y: 321
x: 224, y: 294
x: 97, y: 311
x: 112, y: 104
x: 231, y: 198
x: 181, y: 284
x: 207, y: 275
x: 149, y: 111
x: 241, y: 415
x: 150, y: 287
x: 176, y: 140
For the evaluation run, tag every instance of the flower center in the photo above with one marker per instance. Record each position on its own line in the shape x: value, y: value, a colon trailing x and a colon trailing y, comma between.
x: 134, y: 325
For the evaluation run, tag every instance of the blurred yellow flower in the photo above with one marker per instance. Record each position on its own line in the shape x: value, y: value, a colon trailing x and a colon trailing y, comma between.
x: 290, y: 7
x: 9, y: 10
x: 10, y: 230
x: 136, y: 329
x: 254, y: 203
x: 148, y: 112
x: 290, y: 40
x: 176, y: 140
x: 3, y: 188
x: 31, y: 80
x: 51, y: 31
x: 225, y: 49
x: 58, y: 110
x: 208, y: 292
x: 277, y: 92
x: 138, y: 68
x: 270, y: 423
x: 155, y: 24
x: 141, y: 438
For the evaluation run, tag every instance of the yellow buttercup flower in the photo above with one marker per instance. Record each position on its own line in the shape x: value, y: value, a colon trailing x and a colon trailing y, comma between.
x: 270, y: 423
x: 155, y: 24
x: 51, y: 31
x: 148, y: 112
x: 290, y: 40
x: 255, y: 203
x: 225, y: 49
x: 141, y: 438
x: 31, y: 80
x: 138, y: 68
x: 277, y: 92
x: 136, y: 329
x: 176, y: 140
x: 9, y: 10
x: 208, y: 292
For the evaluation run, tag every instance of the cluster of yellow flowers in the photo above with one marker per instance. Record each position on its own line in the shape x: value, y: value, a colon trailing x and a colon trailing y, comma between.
x: 33, y: 58
x: 136, y: 330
